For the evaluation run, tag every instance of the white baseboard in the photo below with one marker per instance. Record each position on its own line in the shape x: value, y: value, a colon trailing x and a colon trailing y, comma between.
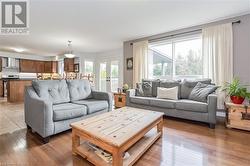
x: 220, y: 114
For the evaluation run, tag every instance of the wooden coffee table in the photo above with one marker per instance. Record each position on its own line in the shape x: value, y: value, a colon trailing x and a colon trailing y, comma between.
x: 126, y: 129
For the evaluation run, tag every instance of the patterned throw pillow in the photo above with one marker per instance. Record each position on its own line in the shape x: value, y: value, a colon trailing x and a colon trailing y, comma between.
x: 147, y: 89
x: 139, y: 90
x: 143, y: 89
x: 201, y: 91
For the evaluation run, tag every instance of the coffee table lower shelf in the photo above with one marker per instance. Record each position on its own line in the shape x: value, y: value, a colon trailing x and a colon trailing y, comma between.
x: 136, y: 151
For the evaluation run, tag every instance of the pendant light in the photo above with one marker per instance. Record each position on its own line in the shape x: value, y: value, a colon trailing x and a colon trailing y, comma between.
x: 69, y: 53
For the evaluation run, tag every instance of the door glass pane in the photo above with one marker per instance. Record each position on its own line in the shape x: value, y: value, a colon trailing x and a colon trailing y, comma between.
x: 103, y: 75
x: 114, y: 80
x: 89, y: 67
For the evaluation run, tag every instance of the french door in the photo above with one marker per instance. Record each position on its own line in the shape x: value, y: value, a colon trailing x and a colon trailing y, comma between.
x: 109, y: 75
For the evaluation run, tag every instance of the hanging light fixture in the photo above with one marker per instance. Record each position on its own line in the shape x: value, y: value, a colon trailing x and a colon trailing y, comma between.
x: 69, y: 53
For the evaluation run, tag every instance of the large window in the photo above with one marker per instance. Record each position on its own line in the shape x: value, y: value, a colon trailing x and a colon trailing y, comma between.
x: 176, y: 58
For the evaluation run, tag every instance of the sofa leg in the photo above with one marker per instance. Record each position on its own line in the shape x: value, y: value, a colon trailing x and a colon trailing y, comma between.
x: 46, y: 140
x: 211, y: 126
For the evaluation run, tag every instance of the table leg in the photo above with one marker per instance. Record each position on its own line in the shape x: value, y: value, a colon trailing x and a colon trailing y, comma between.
x: 75, y: 142
x: 117, y: 158
x: 160, y: 126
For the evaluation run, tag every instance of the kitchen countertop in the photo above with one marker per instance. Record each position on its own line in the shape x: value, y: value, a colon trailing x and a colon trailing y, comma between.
x: 17, y: 79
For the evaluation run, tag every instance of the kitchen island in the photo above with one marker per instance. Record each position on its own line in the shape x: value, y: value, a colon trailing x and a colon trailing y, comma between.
x: 15, y: 89
x: 1, y: 88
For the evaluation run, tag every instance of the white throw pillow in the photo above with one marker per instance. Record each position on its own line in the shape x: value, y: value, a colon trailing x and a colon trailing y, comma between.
x: 167, y: 93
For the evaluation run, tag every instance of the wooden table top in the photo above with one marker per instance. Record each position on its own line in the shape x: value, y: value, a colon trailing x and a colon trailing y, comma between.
x: 229, y: 104
x: 118, y: 126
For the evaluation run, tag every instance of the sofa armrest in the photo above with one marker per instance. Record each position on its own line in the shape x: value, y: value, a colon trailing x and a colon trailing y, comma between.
x: 104, y: 96
x: 212, y: 108
x: 129, y: 93
x: 38, y: 113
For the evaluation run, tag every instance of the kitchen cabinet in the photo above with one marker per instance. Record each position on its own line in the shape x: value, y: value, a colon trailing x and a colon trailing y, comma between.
x: 47, y: 67
x: 69, y: 64
x: 27, y: 66
x: 39, y: 66
x: 34, y: 66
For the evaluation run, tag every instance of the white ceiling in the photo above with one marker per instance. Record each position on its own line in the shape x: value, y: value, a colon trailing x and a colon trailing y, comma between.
x: 102, y: 25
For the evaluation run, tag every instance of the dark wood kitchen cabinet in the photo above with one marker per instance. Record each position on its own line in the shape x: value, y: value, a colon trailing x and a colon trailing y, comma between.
x: 34, y: 66
x: 47, y: 67
x: 27, y: 66
x: 39, y: 66
x: 50, y: 66
x: 69, y: 64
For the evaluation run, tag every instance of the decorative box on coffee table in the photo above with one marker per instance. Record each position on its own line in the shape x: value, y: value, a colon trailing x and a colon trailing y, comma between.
x: 120, y: 100
x: 237, y: 116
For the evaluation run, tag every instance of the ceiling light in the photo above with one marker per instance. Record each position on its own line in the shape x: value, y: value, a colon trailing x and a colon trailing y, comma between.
x: 18, y: 50
x: 69, y: 53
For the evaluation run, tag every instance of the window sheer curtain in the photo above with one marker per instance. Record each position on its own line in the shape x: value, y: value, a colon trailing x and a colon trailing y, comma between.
x: 217, y: 50
x: 140, y: 61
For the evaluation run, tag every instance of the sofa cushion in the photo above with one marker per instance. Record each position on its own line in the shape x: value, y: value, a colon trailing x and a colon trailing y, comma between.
x: 188, y: 85
x: 190, y: 105
x: 155, y: 83
x: 140, y: 100
x: 93, y: 105
x: 54, y: 90
x: 164, y: 103
x: 79, y: 89
x: 67, y: 111
x: 171, y: 84
x: 201, y: 91
x: 167, y: 93
x: 139, y: 90
x: 147, y: 89
x: 143, y: 89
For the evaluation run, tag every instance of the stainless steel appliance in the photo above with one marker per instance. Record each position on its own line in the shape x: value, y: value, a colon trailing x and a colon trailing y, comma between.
x: 10, y: 63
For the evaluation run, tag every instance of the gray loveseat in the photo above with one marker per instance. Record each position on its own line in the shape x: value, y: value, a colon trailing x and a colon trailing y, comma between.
x: 181, y: 108
x: 52, y: 105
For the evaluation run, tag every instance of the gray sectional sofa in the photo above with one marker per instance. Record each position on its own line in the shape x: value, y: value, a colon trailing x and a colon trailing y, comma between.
x: 181, y: 108
x: 51, y: 105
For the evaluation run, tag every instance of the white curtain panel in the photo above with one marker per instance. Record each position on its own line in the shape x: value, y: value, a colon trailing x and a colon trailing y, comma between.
x: 217, y: 50
x: 140, y: 61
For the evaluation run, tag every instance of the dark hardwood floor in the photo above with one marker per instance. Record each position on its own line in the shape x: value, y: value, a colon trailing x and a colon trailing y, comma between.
x: 184, y: 143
